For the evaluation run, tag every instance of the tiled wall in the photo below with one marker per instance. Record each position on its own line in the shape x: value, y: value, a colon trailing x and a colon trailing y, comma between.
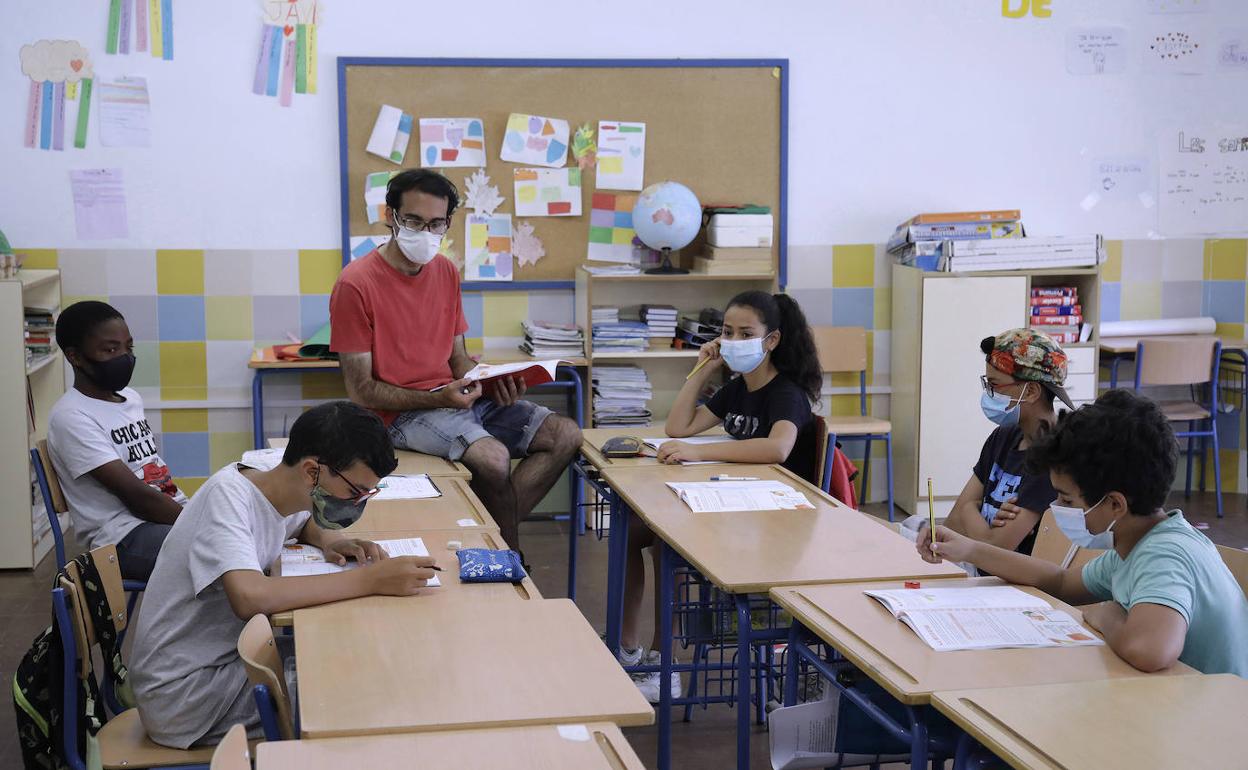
x: 197, y: 315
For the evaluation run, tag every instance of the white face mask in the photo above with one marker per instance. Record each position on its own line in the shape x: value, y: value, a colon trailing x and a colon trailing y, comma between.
x: 418, y: 246
x: 1073, y: 524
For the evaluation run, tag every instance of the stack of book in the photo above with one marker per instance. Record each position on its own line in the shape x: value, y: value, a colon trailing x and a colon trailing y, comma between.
x: 616, y: 336
x: 919, y: 241
x: 1055, y: 310
x: 696, y: 332
x: 543, y: 339
x: 661, y: 320
x: 40, y: 330
x: 601, y: 314
x: 621, y: 396
x: 738, y: 242
x: 1055, y: 251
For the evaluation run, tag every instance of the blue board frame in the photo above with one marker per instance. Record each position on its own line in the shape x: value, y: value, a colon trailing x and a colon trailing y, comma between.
x: 390, y: 61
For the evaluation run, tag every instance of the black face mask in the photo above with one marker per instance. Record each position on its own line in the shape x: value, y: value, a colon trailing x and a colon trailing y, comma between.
x: 114, y: 374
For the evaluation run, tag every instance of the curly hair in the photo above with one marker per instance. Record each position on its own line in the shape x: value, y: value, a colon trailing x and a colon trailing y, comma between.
x: 795, y: 357
x: 1120, y: 443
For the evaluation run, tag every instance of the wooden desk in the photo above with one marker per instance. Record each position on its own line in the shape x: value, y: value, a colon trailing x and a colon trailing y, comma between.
x: 457, y: 504
x: 888, y: 651
x: 1120, y: 724
x: 410, y: 463
x: 1121, y: 345
x: 592, y: 440
x: 746, y: 552
x: 366, y: 669
x: 594, y: 746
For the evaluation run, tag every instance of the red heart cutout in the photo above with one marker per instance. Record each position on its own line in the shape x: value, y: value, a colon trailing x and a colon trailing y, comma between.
x: 76, y: 64
x: 288, y: 30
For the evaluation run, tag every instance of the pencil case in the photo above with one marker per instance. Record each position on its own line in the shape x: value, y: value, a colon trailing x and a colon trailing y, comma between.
x: 482, y: 565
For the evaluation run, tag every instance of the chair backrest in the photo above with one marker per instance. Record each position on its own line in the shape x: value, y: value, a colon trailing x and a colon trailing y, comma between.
x: 1236, y: 561
x: 232, y: 752
x: 822, y: 475
x: 77, y: 628
x: 1176, y: 361
x: 841, y: 348
x: 1053, y: 546
x: 53, y: 499
x: 258, y: 650
x: 105, y: 558
x: 54, y: 482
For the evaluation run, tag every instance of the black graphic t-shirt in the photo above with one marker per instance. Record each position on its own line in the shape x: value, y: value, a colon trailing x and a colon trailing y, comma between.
x: 1002, y: 470
x: 752, y: 414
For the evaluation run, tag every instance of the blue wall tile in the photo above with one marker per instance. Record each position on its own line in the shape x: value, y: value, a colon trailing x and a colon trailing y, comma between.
x: 1111, y: 301
x: 181, y: 317
x: 854, y: 307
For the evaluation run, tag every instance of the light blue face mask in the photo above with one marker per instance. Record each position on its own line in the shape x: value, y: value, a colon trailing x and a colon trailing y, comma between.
x: 1001, y: 409
x: 743, y: 356
x: 1073, y: 524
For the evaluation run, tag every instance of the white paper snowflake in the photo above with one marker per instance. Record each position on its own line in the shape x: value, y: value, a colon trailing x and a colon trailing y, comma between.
x: 526, y: 247
x: 481, y: 196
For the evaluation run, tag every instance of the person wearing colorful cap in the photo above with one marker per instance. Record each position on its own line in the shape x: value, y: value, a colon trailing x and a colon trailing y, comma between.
x: 1001, y: 504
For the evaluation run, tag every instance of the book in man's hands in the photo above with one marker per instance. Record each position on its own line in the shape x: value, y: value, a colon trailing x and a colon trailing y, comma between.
x: 983, y: 618
x: 532, y: 372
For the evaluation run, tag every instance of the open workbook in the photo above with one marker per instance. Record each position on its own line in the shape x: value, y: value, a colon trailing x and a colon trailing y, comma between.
x: 983, y: 618
x: 751, y: 495
x: 301, y: 559
x: 532, y: 372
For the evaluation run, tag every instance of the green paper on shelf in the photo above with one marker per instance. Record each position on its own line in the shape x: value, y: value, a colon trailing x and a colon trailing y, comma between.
x: 84, y: 111
x: 317, y: 346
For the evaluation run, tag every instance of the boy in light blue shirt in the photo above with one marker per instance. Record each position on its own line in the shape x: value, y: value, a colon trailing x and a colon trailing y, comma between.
x: 1165, y: 593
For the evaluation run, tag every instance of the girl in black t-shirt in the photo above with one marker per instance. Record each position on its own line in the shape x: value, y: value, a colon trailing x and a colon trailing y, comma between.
x: 767, y: 408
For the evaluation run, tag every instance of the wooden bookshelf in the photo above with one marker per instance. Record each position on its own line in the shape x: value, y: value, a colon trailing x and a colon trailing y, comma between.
x: 46, y: 378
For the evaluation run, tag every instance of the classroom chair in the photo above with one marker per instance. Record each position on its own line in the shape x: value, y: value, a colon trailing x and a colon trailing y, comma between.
x: 1191, y: 362
x: 232, y: 752
x: 122, y: 741
x: 823, y: 477
x: 844, y: 349
x: 1053, y: 546
x: 258, y: 650
x: 54, y: 504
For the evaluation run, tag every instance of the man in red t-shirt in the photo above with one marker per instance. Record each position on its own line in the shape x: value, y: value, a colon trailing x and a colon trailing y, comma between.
x: 397, y: 325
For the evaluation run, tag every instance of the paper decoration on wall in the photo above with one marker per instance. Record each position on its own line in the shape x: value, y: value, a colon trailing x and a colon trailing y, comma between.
x: 479, y: 195
x: 1175, y: 51
x: 375, y: 195
x: 1232, y: 55
x: 1096, y: 50
x: 542, y: 192
x: 526, y: 247
x: 451, y: 142
x: 487, y: 256
x: 99, y: 204
x: 148, y: 22
x: 287, y: 58
x: 1126, y: 179
x: 363, y: 245
x: 59, y: 70
x: 621, y: 155
x: 584, y: 148
x: 391, y: 133
x: 1203, y: 181
x: 125, y: 113
x: 611, y: 227
x: 535, y: 141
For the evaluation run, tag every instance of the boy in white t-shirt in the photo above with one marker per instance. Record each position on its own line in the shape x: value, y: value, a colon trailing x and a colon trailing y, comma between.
x: 118, y: 489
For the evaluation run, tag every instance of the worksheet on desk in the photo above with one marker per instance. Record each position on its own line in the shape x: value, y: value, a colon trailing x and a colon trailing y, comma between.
x: 302, y: 559
x: 725, y: 496
x: 417, y: 487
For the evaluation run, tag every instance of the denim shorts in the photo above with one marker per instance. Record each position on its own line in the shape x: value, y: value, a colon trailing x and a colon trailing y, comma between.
x: 449, y: 432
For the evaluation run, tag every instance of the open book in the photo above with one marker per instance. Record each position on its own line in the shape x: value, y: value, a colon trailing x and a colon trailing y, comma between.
x: 721, y: 496
x: 399, y: 487
x: 983, y: 618
x: 532, y: 372
x: 655, y: 443
x: 301, y: 559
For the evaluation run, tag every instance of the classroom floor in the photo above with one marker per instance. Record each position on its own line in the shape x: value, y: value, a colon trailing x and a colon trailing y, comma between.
x: 706, y: 743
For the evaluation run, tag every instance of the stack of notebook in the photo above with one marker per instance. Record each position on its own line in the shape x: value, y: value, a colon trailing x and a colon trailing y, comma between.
x: 621, y: 396
x: 611, y: 335
x: 543, y: 339
x: 661, y: 321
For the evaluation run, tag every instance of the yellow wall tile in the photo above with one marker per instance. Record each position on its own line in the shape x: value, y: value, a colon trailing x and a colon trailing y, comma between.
x: 1230, y: 469
x: 474, y: 345
x: 184, y: 420
x: 189, y: 484
x: 1234, y: 331
x: 179, y: 271
x: 38, y: 259
x: 853, y: 265
x: 318, y: 269
x: 228, y: 318
x: 1112, y: 269
x: 1226, y: 259
x: 502, y: 313
x: 316, y: 385
x: 225, y: 447
x: 884, y: 309
x: 183, y: 371
x: 69, y: 299
x: 1140, y: 301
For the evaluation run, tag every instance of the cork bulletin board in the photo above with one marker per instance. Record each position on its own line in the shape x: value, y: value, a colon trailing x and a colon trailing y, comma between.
x: 717, y: 126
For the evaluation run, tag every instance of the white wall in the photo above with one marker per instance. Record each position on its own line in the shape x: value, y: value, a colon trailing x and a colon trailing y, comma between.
x: 896, y: 107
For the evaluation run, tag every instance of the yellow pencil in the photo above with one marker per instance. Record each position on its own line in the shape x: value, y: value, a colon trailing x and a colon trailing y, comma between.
x: 931, y: 510
x: 701, y: 364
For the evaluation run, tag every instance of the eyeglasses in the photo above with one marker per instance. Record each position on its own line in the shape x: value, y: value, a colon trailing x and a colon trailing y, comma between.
x: 988, y: 386
x: 435, y: 226
x: 361, y: 494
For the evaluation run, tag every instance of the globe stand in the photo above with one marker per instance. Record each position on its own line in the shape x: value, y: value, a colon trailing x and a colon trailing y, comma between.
x: 666, y: 268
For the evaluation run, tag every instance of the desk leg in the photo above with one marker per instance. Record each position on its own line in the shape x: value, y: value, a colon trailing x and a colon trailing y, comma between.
x: 918, y: 738
x: 617, y: 556
x: 574, y: 524
x: 1113, y: 371
x: 665, y: 655
x: 744, y: 681
x: 965, y: 753
x: 792, y: 663
x: 257, y: 408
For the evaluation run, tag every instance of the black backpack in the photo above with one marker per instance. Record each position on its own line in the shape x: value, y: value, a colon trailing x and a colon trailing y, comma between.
x: 40, y: 680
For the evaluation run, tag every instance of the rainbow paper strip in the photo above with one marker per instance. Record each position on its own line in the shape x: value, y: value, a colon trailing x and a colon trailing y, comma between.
x: 114, y: 24
x: 71, y: 90
x: 155, y: 25
x: 288, y: 74
x: 84, y: 113
x: 45, y: 116
x: 166, y: 29
x: 275, y: 62
x: 311, y: 58
x: 58, y: 117
x: 123, y: 42
x: 301, y: 59
x: 32, y: 114
x: 262, y: 61
x: 140, y: 26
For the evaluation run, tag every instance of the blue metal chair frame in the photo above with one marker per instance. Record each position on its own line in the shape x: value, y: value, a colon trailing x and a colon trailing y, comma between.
x: 867, y: 438
x: 1193, y: 431
x: 268, y: 713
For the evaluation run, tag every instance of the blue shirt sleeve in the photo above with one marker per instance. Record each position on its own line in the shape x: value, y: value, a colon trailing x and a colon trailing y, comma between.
x: 1097, y: 574
x: 1166, y: 579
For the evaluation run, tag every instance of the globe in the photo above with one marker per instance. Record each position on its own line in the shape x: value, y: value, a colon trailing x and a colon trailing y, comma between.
x: 667, y: 216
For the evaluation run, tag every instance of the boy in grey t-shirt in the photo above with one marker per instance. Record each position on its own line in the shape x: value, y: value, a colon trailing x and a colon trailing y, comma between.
x: 209, y: 580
